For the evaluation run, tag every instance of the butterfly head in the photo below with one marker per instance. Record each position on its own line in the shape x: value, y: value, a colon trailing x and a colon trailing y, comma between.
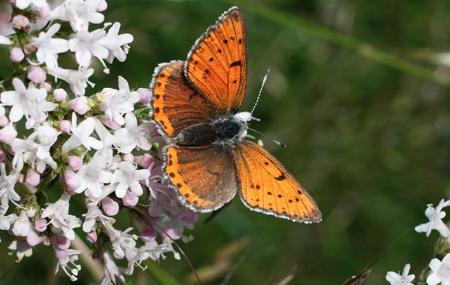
x: 243, y: 118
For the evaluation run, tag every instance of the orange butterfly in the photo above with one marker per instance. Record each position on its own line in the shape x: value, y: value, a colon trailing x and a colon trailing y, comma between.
x: 195, y: 103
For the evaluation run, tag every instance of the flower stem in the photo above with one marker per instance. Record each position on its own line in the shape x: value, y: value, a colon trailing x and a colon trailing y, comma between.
x: 93, y: 266
x: 364, y: 49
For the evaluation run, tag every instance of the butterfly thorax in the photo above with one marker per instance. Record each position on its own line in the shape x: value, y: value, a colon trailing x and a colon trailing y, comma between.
x: 218, y: 132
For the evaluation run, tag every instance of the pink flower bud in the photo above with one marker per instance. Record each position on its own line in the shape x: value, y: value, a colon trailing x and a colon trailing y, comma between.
x: 7, y: 134
x: 29, y: 49
x: 16, y: 55
x: 109, y: 123
x: 33, y: 239
x: 43, y: 12
x: 60, y: 94
x: 21, y: 227
x: 75, y: 162
x: 3, y: 121
x: 2, y: 156
x: 36, y: 74
x: 65, y: 126
x: 130, y: 199
x: 12, y: 1
x: 145, y: 95
x: 20, y: 22
x: 47, y: 86
x: 71, y: 180
x: 102, y: 6
x: 128, y: 157
x: 148, y: 234
x: 62, y: 242
x: 110, y: 207
x: 79, y: 105
x: 145, y: 160
x: 40, y: 225
x: 33, y: 178
x: 92, y: 237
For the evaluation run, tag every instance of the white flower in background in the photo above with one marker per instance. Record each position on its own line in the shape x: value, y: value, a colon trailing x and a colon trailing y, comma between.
x: 116, y: 43
x: 79, y: 13
x: 93, y: 176
x: 77, y: 79
x: 116, y: 103
x: 5, y: 40
x: 7, y: 188
x: 7, y: 221
x: 48, y: 48
x: 127, y: 177
x: 30, y: 103
x: 440, y: 271
x: 435, y: 216
x: 133, y: 135
x: 86, y: 45
x: 405, y: 279
x: 81, y: 135
x: 59, y: 216
x: 23, y: 4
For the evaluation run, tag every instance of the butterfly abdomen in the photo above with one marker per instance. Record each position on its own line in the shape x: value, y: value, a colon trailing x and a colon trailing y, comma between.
x: 209, y: 133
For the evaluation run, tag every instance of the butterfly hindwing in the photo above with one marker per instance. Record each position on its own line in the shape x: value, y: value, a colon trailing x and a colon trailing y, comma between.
x: 204, y: 176
x: 266, y: 186
x: 176, y: 105
x: 217, y: 64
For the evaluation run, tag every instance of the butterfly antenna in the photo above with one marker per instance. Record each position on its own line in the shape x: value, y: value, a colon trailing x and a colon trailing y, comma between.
x: 269, y: 138
x: 260, y: 90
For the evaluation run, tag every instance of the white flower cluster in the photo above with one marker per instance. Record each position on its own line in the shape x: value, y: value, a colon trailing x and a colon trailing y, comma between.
x: 439, y: 270
x: 59, y: 144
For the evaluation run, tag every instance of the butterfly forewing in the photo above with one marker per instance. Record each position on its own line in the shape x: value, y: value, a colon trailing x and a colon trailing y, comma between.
x: 176, y: 105
x: 204, y: 177
x: 266, y: 186
x: 217, y: 64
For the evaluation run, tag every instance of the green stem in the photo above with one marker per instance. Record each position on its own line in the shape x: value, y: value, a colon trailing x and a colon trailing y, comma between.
x: 366, y: 50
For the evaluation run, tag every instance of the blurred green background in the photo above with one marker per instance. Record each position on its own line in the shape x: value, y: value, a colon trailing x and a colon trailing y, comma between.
x: 371, y: 143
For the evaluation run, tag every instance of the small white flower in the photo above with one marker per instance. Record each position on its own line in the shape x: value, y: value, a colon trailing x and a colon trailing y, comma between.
x: 81, y: 135
x: 79, y: 13
x: 77, y: 79
x: 116, y: 103
x: 86, y: 45
x: 133, y: 135
x: 396, y: 279
x: 5, y: 40
x: 68, y: 262
x: 7, y: 188
x: 435, y: 216
x: 59, y: 216
x: 30, y: 103
x: 115, y: 43
x: 93, y: 176
x: 93, y: 215
x: 28, y: 151
x: 440, y: 271
x: 48, y: 48
x: 128, y: 177
x: 123, y: 243
x: 23, y: 4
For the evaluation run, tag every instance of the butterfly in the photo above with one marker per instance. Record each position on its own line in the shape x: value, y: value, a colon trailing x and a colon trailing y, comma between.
x: 207, y: 159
